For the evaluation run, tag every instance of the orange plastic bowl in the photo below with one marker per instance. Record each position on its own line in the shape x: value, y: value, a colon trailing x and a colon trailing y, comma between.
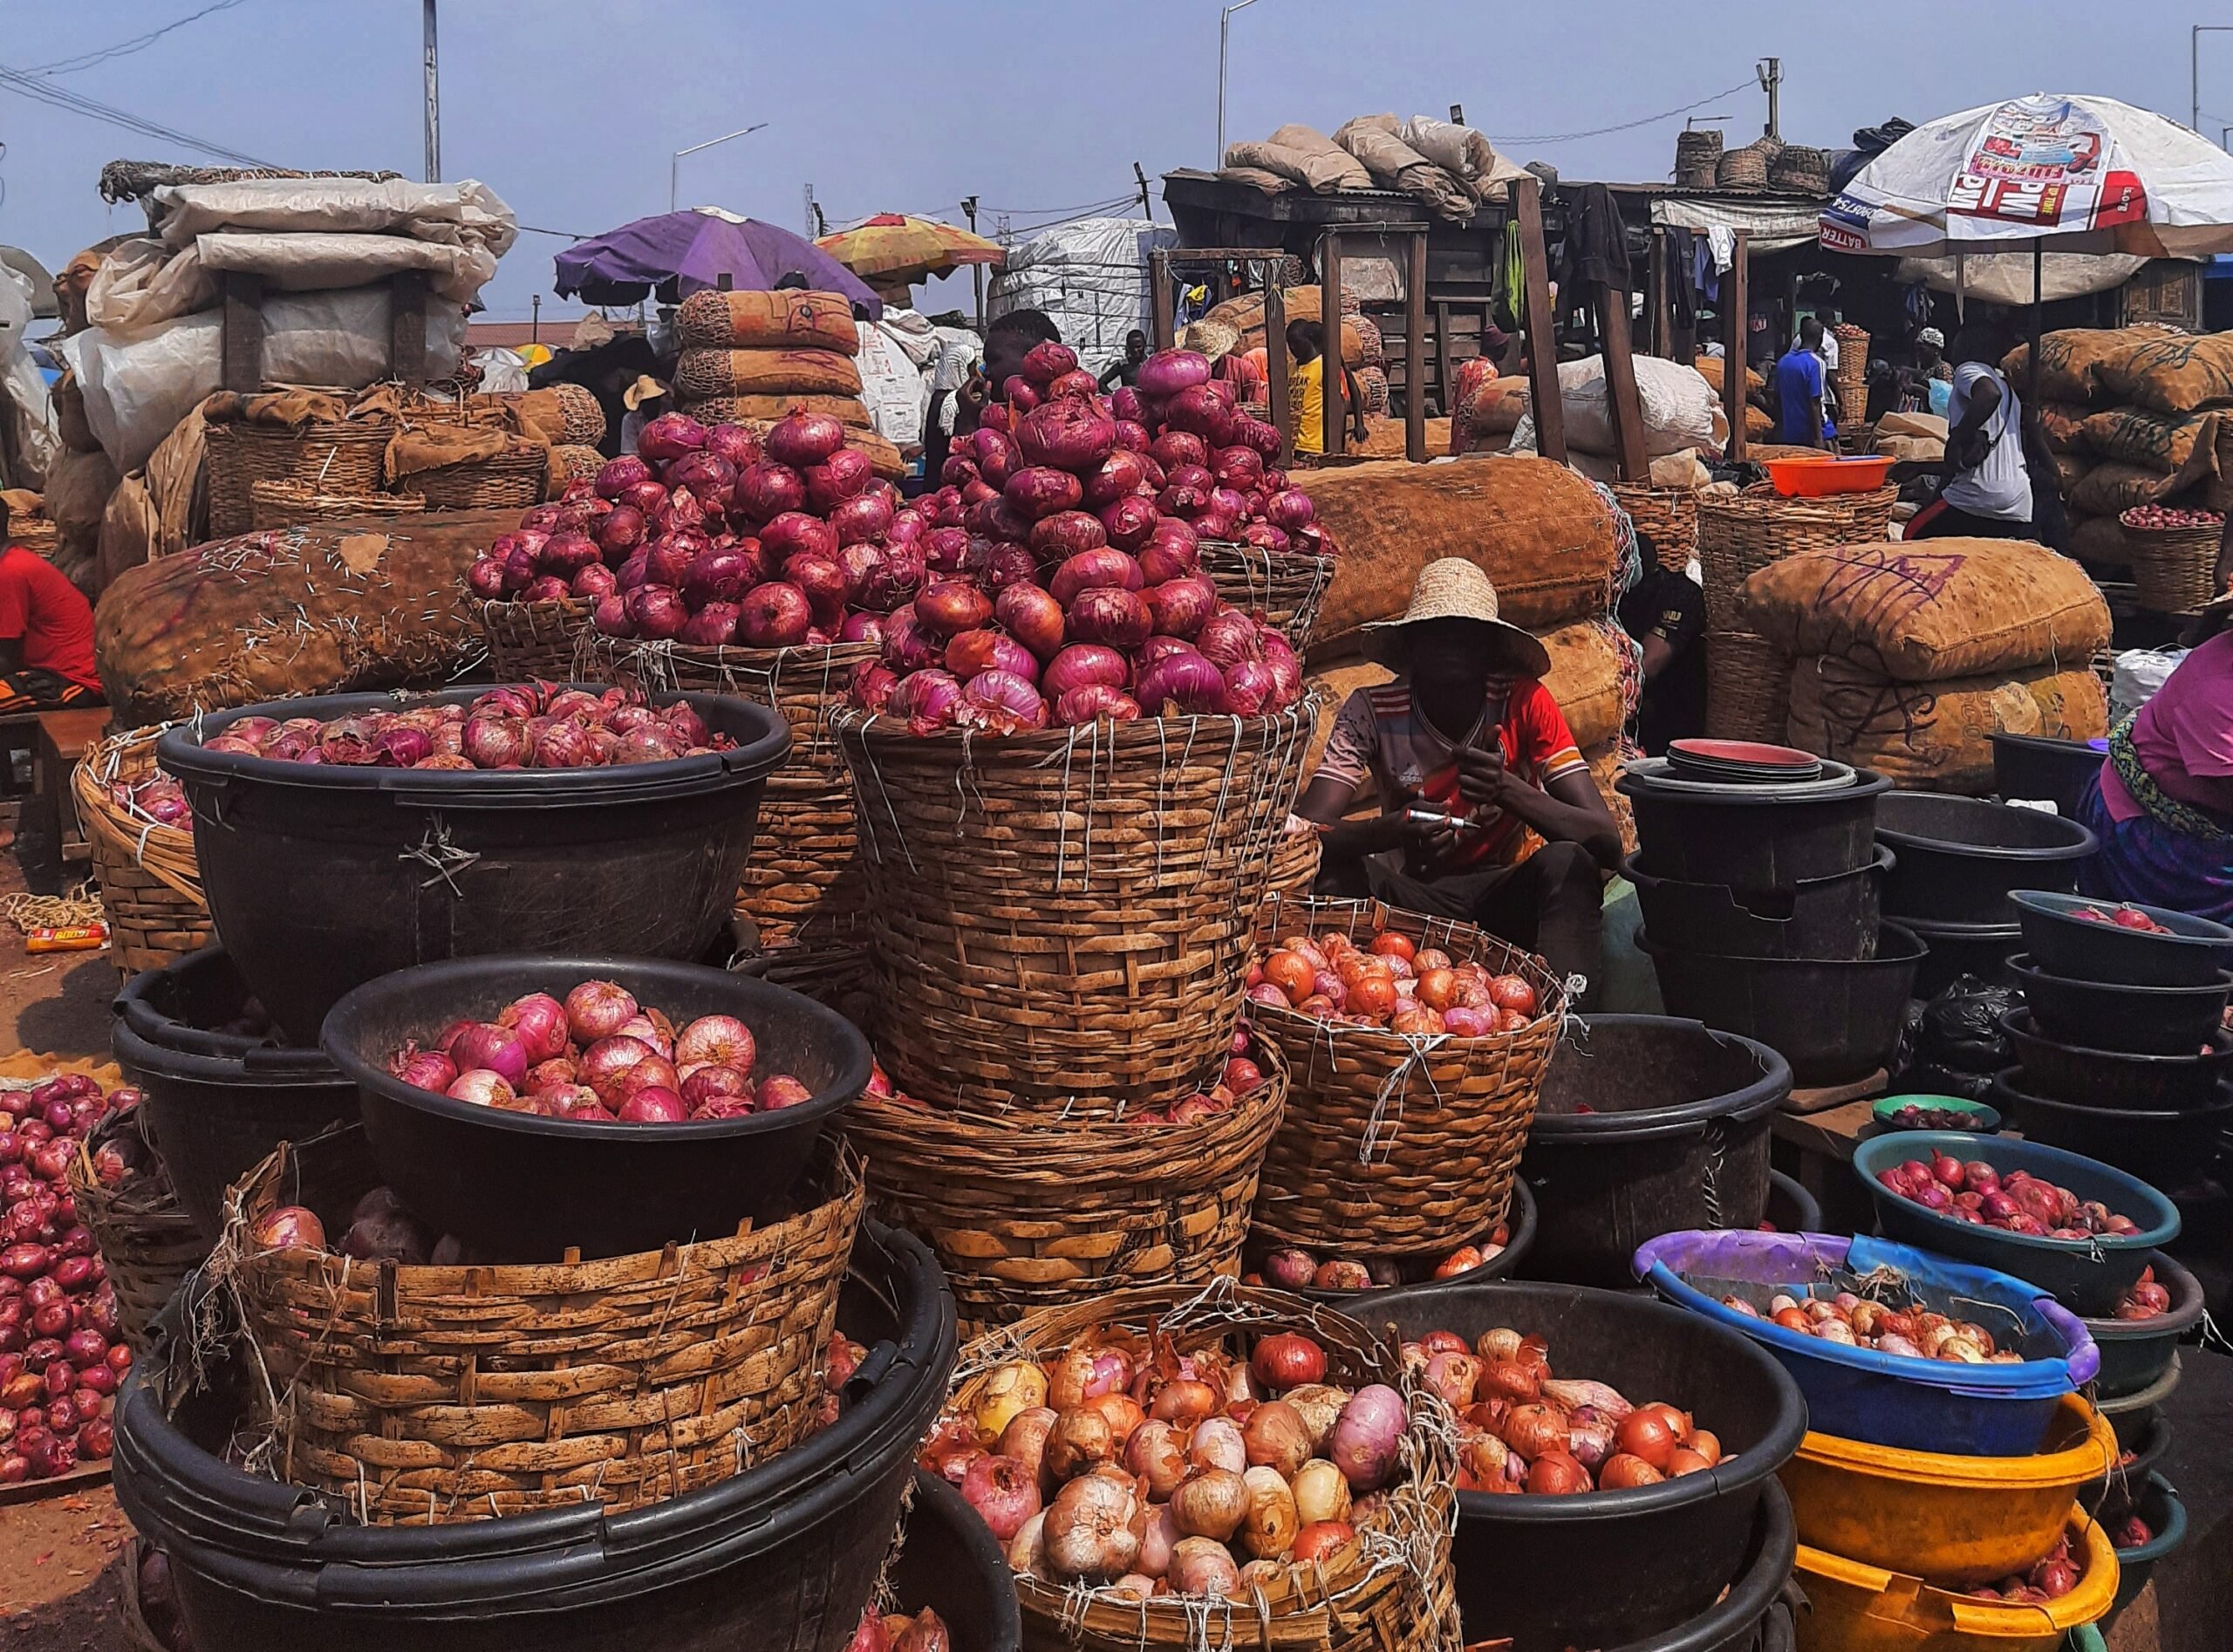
x: 1812, y: 478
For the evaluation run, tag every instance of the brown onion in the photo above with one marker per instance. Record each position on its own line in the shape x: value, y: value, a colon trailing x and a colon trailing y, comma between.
x: 1321, y: 1492
x: 1319, y: 1405
x: 1218, y: 1443
x: 1156, y: 1453
x: 1557, y: 1474
x: 1202, y: 1566
x: 1211, y: 1503
x: 1157, y: 1539
x: 1025, y: 1439
x: 1454, y: 1376
x: 1508, y: 1379
x: 1645, y: 1433
x: 1321, y: 1538
x: 1026, y: 1551
x: 1535, y: 1430
x: 1094, y: 1528
x: 1287, y: 1359
x: 1081, y: 1439
x: 1184, y: 1400
x: 1121, y: 1412
x: 1269, y: 1530
x: 1622, y: 1471
x: 1276, y: 1436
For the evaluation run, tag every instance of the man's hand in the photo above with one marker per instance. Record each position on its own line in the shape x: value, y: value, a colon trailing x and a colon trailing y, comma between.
x: 1481, y: 775
x: 975, y: 390
x: 1427, y: 839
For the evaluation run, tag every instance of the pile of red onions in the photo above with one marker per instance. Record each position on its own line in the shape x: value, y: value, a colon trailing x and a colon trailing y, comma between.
x: 157, y: 798
x: 2049, y: 1578
x: 520, y: 726
x: 1290, y: 1268
x: 598, y: 1057
x: 2018, y: 1203
x: 62, y: 1352
x: 1215, y: 459
x: 1915, y: 1334
x: 897, y: 1632
x: 2145, y: 1298
x: 1124, y: 1463
x: 1389, y: 982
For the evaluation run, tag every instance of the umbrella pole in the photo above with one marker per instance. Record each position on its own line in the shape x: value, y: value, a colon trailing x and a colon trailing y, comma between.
x: 2031, y: 369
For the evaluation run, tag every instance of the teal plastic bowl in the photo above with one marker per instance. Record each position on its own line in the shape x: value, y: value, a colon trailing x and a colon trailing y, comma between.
x: 2086, y: 1276
x: 1989, y: 1117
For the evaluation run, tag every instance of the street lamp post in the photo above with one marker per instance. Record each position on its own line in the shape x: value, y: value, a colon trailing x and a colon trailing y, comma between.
x: 1225, y: 31
x: 675, y: 166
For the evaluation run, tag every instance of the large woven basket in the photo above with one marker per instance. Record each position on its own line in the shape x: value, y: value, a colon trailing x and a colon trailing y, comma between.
x: 1025, y: 1217
x: 147, y: 1244
x: 425, y: 1395
x: 833, y: 972
x: 283, y: 504
x: 1670, y: 515
x: 1739, y: 536
x: 1745, y: 168
x: 36, y: 535
x: 1295, y: 860
x: 1389, y: 1590
x: 1802, y: 167
x: 1748, y: 687
x: 1396, y: 1145
x: 537, y: 641
x: 1698, y: 156
x: 502, y: 481
x: 2172, y: 568
x: 348, y: 457
x: 1863, y: 516
x: 1060, y: 922
x: 1282, y: 588
x: 150, y: 882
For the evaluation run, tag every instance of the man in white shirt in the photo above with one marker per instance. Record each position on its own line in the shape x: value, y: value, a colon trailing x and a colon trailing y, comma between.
x: 1988, y: 493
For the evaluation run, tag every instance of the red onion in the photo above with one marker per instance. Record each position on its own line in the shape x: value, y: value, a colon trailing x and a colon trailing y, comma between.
x: 539, y: 1021
x: 670, y: 436
x: 1227, y: 637
x: 775, y: 615
x: 1041, y: 490
x: 1033, y: 618
x: 1082, y: 663
x: 428, y: 1070
x: 1067, y: 434
x: 794, y: 533
x: 1180, y: 607
x: 1264, y: 536
x: 1132, y: 436
x: 958, y: 469
x: 598, y: 1009
x: 1067, y: 533
x: 1101, y: 567
x: 1184, y: 501
x: 656, y: 611
x: 1020, y: 395
x: 823, y: 581
x: 483, y: 1088
x: 803, y: 439
x: 1003, y: 702
x: 862, y: 628
x: 910, y: 646
x: 714, y: 575
x: 1169, y: 372
x: 568, y: 554
x: 836, y: 479
x: 667, y: 559
x: 983, y: 650
x: 610, y: 617
x: 653, y: 1104
x: 1237, y: 466
x: 1367, y: 1435
x: 1095, y: 701
x: 907, y: 526
x: 1048, y: 360
x: 615, y: 476
x: 944, y: 549
x: 1250, y: 690
x: 1116, y: 617
x: 766, y: 490
x: 1286, y: 670
x: 735, y: 443
x: 927, y: 699
x: 500, y: 1049
x: 948, y: 607
x: 1125, y: 402
x: 1174, y: 539
x: 1289, y: 509
x: 1250, y: 432
x: 485, y: 579
x: 707, y: 476
x: 1229, y: 502
x: 1130, y: 522
x: 998, y: 457
x: 1188, y: 684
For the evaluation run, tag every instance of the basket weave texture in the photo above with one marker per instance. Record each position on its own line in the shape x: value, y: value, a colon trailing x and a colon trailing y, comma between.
x: 348, y: 457
x: 536, y: 641
x: 1295, y: 860
x: 425, y: 1395
x: 283, y: 504
x: 150, y: 882
x: 1389, y: 1590
x: 502, y: 481
x: 1396, y: 1144
x: 1748, y: 687
x: 1281, y: 588
x: 2172, y: 568
x: 1027, y: 1217
x: 1060, y: 922
x: 146, y: 1242
x: 1739, y: 536
x: 1668, y: 515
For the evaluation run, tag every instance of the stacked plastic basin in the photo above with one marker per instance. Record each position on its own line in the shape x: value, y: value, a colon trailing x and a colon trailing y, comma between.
x: 1957, y: 860
x: 1921, y: 1483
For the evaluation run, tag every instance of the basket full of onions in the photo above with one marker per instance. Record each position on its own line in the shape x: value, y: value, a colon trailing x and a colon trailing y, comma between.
x: 139, y: 835
x: 1028, y: 1216
x: 1220, y: 1466
x: 1415, y: 1049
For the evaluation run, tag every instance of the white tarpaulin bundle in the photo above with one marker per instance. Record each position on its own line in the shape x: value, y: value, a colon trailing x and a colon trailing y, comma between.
x: 2081, y: 174
x: 1090, y: 278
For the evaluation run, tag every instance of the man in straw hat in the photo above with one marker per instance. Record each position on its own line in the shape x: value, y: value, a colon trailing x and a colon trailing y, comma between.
x: 1469, y: 753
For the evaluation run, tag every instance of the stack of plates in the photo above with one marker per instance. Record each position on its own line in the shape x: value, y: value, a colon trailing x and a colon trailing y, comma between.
x: 1741, y: 762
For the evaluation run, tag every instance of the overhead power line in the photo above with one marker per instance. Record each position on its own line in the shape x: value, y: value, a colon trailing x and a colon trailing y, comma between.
x: 1625, y: 126
x: 41, y: 90
x: 138, y: 42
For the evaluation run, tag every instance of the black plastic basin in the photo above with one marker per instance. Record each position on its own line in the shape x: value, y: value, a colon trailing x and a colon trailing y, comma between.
x: 781, y: 1558
x: 2192, y: 954
x: 949, y: 1561
x: 1752, y: 842
x: 1605, y: 1567
x: 1645, y: 1125
x: 1790, y: 1208
x: 2166, y: 1148
x: 216, y: 1102
x: 2139, y: 1021
x: 1834, y: 1020
x: 1960, y: 856
x: 1833, y: 916
x: 1754, y: 1616
x: 2108, y: 1078
x: 2135, y: 1353
x: 1417, y: 1272
x: 2056, y: 771
x: 321, y: 877
x: 528, y: 1188
x: 1955, y: 950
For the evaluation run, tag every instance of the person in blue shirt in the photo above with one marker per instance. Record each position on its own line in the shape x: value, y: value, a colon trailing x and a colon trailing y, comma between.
x: 1798, y: 386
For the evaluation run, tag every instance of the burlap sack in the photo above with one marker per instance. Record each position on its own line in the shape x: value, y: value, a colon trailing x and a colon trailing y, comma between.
x: 1605, y: 765
x: 78, y: 489
x: 788, y: 320
x: 70, y: 416
x: 2070, y: 470
x: 2084, y: 364
x: 1326, y: 166
x: 706, y: 372
x: 2156, y: 442
x: 1920, y: 448
x: 1926, y: 425
x: 2112, y: 486
x: 1710, y: 367
x: 1385, y: 438
x: 847, y: 410
x: 129, y: 527
x: 2100, y: 539
x: 2172, y: 373
x: 1245, y: 313
x: 319, y: 608
x: 1394, y: 165
x: 1493, y: 406
x: 1938, y: 736
x: 2063, y: 424
x: 1930, y: 609
x: 1684, y: 469
x: 1544, y: 535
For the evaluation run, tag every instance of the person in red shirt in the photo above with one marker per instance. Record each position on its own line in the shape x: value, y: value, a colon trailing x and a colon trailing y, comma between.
x: 46, y: 634
x: 1470, y: 756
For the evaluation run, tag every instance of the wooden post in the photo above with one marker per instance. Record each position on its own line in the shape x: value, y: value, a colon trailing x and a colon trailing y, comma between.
x: 1736, y: 304
x: 1620, y: 402
x: 1415, y: 353
x: 1442, y: 367
x: 1662, y: 304
x: 242, y: 368
x: 408, y: 326
x: 1159, y: 297
x: 1333, y: 371
x: 1275, y: 366
x: 1542, y: 331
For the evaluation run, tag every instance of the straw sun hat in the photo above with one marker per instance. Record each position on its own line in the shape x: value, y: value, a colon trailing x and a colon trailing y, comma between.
x: 1453, y: 588
x: 1212, y: 338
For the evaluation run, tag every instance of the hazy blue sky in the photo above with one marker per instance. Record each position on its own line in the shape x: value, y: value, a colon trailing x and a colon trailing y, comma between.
x: 570, y: 108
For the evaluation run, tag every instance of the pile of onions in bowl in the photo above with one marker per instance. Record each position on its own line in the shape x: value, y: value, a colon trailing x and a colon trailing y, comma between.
x: 897, y: 1632
x: 157, y: 798
x: 598, y: 1057
x: 62, y: 1355
x: 2017, y: 1202
x: 1915, y: 1334
x: 2049, y: 1578
x: 1520, y: 1429
x: 1125, y: 1464
x: 1290, y: 1268
x: 1389, y: 982
x: 520, y: 726
x: 2145, y: 1298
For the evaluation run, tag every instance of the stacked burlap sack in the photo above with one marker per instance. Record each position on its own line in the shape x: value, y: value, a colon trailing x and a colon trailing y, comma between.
x: 1681, y: 417
x: 750, y: 358
x: 1908, y: 659
x: 1448, y: 169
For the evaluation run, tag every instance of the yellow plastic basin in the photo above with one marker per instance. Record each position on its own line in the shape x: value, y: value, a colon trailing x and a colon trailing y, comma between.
x: 1958, y: 1521
x: 1865, y: 1608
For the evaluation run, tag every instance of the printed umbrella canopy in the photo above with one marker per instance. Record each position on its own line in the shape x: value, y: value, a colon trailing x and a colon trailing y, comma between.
x: 891, y: 245
x: 676, y: 254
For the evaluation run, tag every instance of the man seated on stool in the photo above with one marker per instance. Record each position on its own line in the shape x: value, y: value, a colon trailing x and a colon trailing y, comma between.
x: 1468, y: 751
x: 46, y: 634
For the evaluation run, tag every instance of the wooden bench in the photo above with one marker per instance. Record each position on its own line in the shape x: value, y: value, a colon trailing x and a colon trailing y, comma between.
x: 60, y: 741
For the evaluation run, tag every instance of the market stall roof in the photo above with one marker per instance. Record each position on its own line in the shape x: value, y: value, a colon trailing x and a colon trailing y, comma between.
x: 1775, y: 220
x: 892, y: 249
x: 2072, y: 173
x: 675, y: 254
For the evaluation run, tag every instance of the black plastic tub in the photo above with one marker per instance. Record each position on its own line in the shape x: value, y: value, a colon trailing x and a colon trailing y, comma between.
x: 1834, y: 1020
x: 1955, y: 950
x: 1753, y: 1616
x: 1959, y: 857
x: 1417, y: 1272
x: 2135, y: 1353
x: 529, y: 1187
x: 1645, y: 1125
x: 1833, y: 916
x: 2110, y: 1078
x: 781, y: 1558
x: 216, y: 1102
x: 2119, y: 1491
x: 321, y: 877
x: 2162, y: 1148
x: 2137, y: 1021
x: 2191, y: 953
x: 2056, y: 771
x: 1791, y: 1209
x: 2159, y: 1504
x: 949, y: 1561
x: 1761, y: 843
x: 1605, y: 1567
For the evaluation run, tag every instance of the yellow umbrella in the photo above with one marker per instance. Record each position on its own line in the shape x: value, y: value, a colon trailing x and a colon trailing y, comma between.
x: 892, y: 248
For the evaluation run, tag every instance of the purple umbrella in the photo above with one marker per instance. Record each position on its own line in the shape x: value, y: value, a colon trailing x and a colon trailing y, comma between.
x: 679, y: 253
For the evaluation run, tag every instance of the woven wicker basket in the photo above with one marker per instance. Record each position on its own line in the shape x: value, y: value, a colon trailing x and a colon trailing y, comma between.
x: 1670, y: 515
x: 1800, y: 167
x: 835, y: 974
x: 1698, y: 156
x: 1060, y: 921
x: 151, y: 884
x: 2172, y: 568
x: 1745, y: 168
x: 583, y: 416
x: 36, y: 535
x: 1025, y: 1217
x: 1282, y: 588
x: 348, y: 457
x: 424, y: 1394
x: 283, y: 504
x: 1295, y: 860
x: 572, y: 463
x: 146, y: 1242
x: 1748, y: 687
x: 1389, y: 1591
x: 1396, y: 1144
x: 502, y: 481
x: 1739, y: 536
x: 537, y: 641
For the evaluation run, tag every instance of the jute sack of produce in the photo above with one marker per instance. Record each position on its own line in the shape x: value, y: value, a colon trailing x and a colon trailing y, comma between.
x: 2172, y: 373
x: 2100, y: 539
x: 2114, y: 486
x: 319, y: 608
x: 2070, y: 470
x: 2063, y: 425
x: 706, y: 371
x: 1683, y: 469
x: 846, y: 410
x: 1709, y: 369
x: 1544, y: 535
x: 1494, y: 405
x: 2163, y: 442
x: 2084, y: 364
x: 1605, y: 765
x: 1915, y: 448
x: 1305, y: 155
x: 1938, y: 736
x: 1930, y: 608
x: 788, y: 320
x: 1928, y: 427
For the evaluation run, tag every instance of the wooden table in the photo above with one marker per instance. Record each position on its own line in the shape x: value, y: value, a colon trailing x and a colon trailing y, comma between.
x: 62, y: 739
